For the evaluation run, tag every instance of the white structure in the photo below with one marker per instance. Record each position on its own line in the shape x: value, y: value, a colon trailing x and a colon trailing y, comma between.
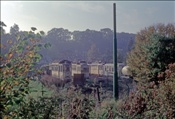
x: 109, y: 69
x: 125, y: 71
x: 61, y: 70
x: 102, y: 69
x: 96, y: 69
x: 120, y: 67
x: 80, y: 68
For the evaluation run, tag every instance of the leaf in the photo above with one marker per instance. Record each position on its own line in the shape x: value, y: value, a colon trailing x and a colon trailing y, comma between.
x: 42, y: 33
x: 16, y: 83
x: 10, y: 55
x: 25, y: 42
x: 2, y: 24
x: 10, y: 41
x: 47, y: 45
x: 38, y: 57
x: 20, y: 49
x: 38, y: 35
x: 31, y: 54
x: 9, y: 65
x: 33, y: 28
x: 38, y: 47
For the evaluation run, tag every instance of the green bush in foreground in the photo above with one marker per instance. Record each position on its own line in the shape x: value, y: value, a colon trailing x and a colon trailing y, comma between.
x: 153, y: 101
x: 17, y: 67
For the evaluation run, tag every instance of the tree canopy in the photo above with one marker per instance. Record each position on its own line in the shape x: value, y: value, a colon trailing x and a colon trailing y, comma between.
x: 153, y: 51
x: 17, y: 67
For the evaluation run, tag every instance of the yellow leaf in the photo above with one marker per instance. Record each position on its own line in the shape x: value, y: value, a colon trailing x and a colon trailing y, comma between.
x: 5, y: 117
x: 16, y: 82
x: 9, y: 87
x: 9, y: 41
x: 30, y: 55
x: 10, y: 55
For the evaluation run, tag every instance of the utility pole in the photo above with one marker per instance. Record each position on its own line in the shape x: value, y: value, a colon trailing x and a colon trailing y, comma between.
x: 115, y: 77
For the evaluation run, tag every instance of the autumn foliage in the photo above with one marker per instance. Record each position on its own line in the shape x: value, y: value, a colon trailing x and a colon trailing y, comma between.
x: 151, y: 100
x: 18, y: 65
x: 154, y: 49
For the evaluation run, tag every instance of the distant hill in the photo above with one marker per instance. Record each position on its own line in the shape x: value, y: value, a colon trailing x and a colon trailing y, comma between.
x: 86, y: 45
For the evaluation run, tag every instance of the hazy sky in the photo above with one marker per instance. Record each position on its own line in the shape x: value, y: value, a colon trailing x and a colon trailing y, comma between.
x: 78, y: 15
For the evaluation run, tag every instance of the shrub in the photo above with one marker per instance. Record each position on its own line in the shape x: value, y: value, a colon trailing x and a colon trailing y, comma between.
x: 151, y: 100
x: 17, y: 66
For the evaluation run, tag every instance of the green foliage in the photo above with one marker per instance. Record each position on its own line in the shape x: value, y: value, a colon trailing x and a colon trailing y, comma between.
x: 67, y: 105
x: 151, y: 100
x: 153, y: 50
x: 40, y: 108
x: 2, y: 24
x: 156, y: 50
x: 108, y: 109
x: 14, y: 29
x: 37, y: 89
x: 47, y: 45
x: 33, y: 28
x: 15, y: 71
x: 93, y: 53
x: 42, y: 33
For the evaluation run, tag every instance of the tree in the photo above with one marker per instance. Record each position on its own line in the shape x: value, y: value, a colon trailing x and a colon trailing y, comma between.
x: 2, y: 24
x: 93, y: 53
x: 16, y: 69
x: 14, y: 29
x: 120, y: 56
x: 151, y: 47
x: 152, y: 101
x: 160, y: 52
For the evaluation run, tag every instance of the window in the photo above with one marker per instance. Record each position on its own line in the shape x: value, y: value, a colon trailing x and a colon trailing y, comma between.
x: 67, y: 68
x: 74, y: 67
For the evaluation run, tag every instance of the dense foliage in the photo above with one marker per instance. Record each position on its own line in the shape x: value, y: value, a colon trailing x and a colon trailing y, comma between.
x: 153, y: 51
x: 18, y: 65
x: 152, y: 63
x: 89, y: 45
x: 160, y: 52
x: 152, y: 101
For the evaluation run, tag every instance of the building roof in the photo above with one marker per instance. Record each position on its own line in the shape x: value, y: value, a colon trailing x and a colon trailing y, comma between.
x: 64, y: 62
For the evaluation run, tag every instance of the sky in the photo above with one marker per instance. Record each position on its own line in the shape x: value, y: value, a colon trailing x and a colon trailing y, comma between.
x: 131, y: 16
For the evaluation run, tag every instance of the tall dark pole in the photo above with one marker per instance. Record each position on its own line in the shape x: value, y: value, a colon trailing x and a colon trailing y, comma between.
x: 115, y: 77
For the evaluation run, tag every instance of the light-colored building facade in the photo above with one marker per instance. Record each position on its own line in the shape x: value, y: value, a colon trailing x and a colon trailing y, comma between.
x: 61, y: 69
x: 106, y: 69
x: 80, y: 67
x: 96, y: 69
x: 109, y: 69
x: 66, y: 70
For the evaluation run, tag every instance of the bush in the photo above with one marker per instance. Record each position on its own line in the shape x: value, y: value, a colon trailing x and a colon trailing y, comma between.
x: 17, y: 66
x: 151, y: 100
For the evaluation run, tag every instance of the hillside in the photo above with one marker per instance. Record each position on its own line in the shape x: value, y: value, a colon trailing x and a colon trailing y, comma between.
x: 86, y: 45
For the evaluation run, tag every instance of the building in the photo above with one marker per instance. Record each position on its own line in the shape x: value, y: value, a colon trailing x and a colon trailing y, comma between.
x: 61, y: 69
x: 66, y: 70
x: 108, y: 69
x: 80, y: 67
x: 96, y: 69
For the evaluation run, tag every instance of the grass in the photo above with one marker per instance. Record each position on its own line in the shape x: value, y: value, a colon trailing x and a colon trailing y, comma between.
x: 37, y: 89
